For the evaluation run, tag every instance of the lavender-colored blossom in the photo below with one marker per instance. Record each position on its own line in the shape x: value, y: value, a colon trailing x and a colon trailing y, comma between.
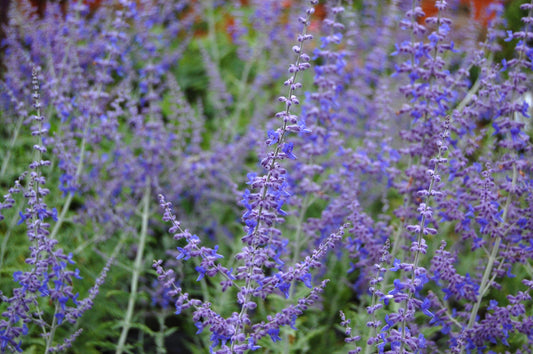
x: 48, y: 275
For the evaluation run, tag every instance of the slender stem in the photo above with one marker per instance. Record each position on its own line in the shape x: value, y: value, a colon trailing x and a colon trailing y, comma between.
x: 298, y: 235
x: 417, y: 255
x: 297, y: 247
x: 66, y: 206
x: 485, y: 280
x: 160, y: 335
x: 232, y: 124
x: 137, y: 268
x: 212, y: 31
x: 5, y: 240
x: 6, y: 159
x: 53, y: 327
x: 474, y: 89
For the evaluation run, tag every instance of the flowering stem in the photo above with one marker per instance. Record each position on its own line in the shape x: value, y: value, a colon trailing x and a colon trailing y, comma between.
x: 81, y: 158
x: 264, y: 188
x: 36, y: 224
x: 421, y: 227
x: 415, y: 263
x: 486, y: 281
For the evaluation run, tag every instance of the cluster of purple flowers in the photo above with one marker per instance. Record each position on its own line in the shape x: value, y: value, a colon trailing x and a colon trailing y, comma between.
x: 394, y: 187
x: 47, y: 277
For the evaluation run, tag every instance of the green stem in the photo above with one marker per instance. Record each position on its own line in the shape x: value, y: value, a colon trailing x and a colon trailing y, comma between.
x: 160, y: 336
x: 66, y: 206
x: 297, y: 246
x: 298, y: 235
x: 137, y: 269
x: 5, y: 163
x: 53, y: 327
x: 474, y: 89
x: 486, y: 281
x: 5, y: 240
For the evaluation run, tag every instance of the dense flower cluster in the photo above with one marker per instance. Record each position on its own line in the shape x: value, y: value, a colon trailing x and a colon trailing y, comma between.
x: 391, y: 182
x: 48, y: 276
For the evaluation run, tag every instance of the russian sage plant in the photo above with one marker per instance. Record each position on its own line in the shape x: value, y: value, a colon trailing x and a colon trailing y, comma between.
x: 381, y: 204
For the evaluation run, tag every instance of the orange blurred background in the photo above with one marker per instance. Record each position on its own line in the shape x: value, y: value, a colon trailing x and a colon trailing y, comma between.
x: 479, y: 9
